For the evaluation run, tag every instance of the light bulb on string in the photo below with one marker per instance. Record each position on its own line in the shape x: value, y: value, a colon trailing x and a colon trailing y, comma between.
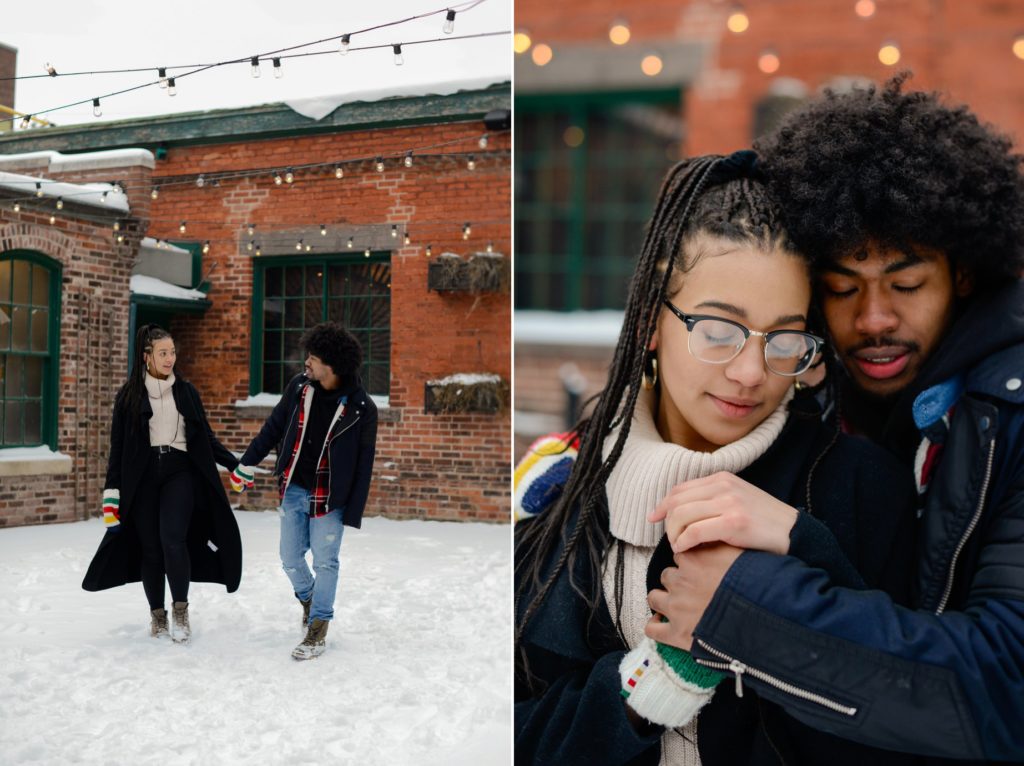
x: 394, y: 230
x: 120, y: 238
x: 408, y: 159
x: 483, y: 141
x: 429, y: 251
x: 345, y: 40
x: 339, y: 173
x: 60, y: 203
x: 50, y: 70
x: 118, y: 189
x: 53, y: 218
x: 738, y: 21
x: 154, y: 193
x: 466, y: 230
x: 206, y: 247
x: 171, y: 90
x: 289, y: 176
x: 251, y: 244
x: 96, y: 110
x: 379, y: 164
x: 889, y: 54
x: 449, y: 22
x: 619, y: 33
x: 259, y: 251
x: 117, y: 226
x: 768, y: 62
x: 26, y: 121
x: 250, y: 229
x: 278, y: 71
x: 323, y: 230
x: 349, y: 243
x: 298, y: 245
x: 1018, y: 46
x: 406, y: 240
x: 39, y: 189
x: 490, y: 247
x: 201, y: 181
x: 277, y: 178
x: 161, y: 72
x: 309, y: 248
x: 255, y: 70
x: 521, y: 41
x: 366, y: 253
x: 864, y: 8
x: 181, y: 227
x: 17, y: 207
x: 471, y: 163
x: 399, y: 58
x: 103, y: 197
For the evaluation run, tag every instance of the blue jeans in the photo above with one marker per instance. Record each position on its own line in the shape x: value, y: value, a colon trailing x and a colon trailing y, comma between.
x: 301, y: 532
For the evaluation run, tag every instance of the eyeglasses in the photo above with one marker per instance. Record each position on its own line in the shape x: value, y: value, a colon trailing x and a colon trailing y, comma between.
x: 716, y: 341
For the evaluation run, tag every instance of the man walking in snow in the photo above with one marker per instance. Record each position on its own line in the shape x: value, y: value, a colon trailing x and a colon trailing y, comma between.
x: 325, y: 432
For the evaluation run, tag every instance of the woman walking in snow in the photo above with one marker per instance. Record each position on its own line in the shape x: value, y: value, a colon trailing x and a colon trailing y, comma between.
x: 165, y: 508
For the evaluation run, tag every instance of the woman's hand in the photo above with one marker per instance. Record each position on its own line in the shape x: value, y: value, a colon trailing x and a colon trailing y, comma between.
x: 722, y: 507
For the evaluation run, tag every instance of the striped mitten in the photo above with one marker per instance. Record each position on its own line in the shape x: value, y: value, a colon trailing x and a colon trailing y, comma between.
x: 241, y: 478
x: 111, y: 507
x: 665, y: 685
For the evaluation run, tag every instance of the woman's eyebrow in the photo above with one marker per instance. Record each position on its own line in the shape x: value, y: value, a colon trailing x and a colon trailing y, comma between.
x: 742, y: 313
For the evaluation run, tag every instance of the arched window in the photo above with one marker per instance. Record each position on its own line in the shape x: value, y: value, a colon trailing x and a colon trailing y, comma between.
x: 29, y: 340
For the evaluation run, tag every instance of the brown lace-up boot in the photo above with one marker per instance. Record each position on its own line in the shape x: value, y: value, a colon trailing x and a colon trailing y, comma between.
x: 305, y: 611
x: 158, y: 623
x: 315, y: 642
x: 182, y: 630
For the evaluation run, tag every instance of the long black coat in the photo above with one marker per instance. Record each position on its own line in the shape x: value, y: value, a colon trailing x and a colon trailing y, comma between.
x: 214, y: 544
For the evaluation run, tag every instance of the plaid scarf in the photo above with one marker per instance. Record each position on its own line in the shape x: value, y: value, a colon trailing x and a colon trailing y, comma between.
x: 322, y: 483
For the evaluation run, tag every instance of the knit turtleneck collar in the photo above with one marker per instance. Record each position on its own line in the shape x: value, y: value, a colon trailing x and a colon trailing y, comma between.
x: 157, y: 387
x: 649, y: 467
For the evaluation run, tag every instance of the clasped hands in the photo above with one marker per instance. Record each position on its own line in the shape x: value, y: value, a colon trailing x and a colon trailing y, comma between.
x: 709, y: 522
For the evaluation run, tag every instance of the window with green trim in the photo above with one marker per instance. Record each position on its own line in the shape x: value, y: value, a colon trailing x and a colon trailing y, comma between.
x: 29, y: 332
x: 294, y: 294
x: 588, y: 168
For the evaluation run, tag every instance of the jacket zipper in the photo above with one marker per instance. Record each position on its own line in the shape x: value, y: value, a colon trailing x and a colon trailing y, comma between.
x: 327, y: 446
x: 970, y: 528
x: 738, y: 668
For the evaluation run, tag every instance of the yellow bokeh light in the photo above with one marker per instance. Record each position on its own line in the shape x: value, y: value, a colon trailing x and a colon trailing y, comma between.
x: 542, y: 54
x: 1018, y: 47
x: 864, y: 8
x: 573, y: 136
x: 768, y: 62
x: 521, y: 42
x: 738, y: 22
x: 889, y: 54
x: 619, y: 33
x: 651, y: 65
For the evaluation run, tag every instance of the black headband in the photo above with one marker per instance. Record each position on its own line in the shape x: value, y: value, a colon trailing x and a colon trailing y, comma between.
x: 741, y: 164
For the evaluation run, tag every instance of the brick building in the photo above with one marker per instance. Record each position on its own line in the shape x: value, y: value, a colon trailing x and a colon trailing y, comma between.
x: 608, y: 95
x: 248, y: 225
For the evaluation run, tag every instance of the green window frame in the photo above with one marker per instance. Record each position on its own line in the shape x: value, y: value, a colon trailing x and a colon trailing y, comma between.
x: 292, y: 294
x: 588, y: 168
x: 30, y: 285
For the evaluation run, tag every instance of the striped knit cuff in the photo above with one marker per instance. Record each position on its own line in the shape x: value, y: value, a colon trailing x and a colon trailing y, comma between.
x: 688, y: 669
x: 111, y: 507
x: 656, y: 692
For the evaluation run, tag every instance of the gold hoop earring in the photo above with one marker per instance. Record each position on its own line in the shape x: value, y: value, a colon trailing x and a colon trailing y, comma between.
x: 650, y: 376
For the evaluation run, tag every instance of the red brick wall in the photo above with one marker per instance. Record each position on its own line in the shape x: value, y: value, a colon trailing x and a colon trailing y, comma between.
x: 960, y: 48
x: 93, y: 341
x: 444, y: 466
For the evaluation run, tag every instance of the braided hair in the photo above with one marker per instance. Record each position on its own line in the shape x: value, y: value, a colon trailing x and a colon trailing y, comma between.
x: 133, y: 392
x: 718, y: 196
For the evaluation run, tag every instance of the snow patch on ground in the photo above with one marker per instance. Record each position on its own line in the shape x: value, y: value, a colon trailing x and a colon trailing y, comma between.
x: 417, y: 669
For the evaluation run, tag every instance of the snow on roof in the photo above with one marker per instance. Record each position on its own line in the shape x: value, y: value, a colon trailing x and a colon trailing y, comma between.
x: 96, y: 195
x: 149, y: 243
x: 30, y: 453
x: 466, y: 379
x: 318, y: 107
x: 62, y: 163
x: 143, y: 285
x: 578, y: 328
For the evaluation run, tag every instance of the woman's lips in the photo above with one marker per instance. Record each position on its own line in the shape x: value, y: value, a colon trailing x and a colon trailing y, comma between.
x: 734, y: 408
x: 881, y: 364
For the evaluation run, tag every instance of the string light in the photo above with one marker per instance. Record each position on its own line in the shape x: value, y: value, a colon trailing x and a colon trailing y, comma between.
x: 60, y: 203
x: 120, y: 238
x: 259, y: 252
x: 406, y: 240
x: 26, y: 121
x: 399, y: 58
x: 118, y: 189
x: 255, y: 62
x: 298, y: 245
x: 864, y: 8
x: 17, y: 207
x: 171, y: 90
x: 738, y: 21
x: 50, y: 70
x: 366, y: 253
x: 889, y: 54
x: 1018, y: 47
x: 181, y: 227
x: 278, y: 71
x: 289, y: 176
x: 471, y: 163
x: 250, y: 245
x: 449, y: 22
x: 201, y: 181
x: 53, y: 218
x: 309, y: 248
x: 521, y: 41
x: 339, y: 172
x: 161, y: 72
x: 490, y: 247
x: 768, y: 62
x: 394, y: 231
x: 277, y: 178
x: 466, y: 230
x: 206, y: 247
x: 651, y: 65
x: 542, y: 54
x: 96, y: 110
x: 117, y: 226
x: 345, y: 40
x: 154, y: 193
x: 483, y: 141
x: 619, y: 33
x: 250, y: 229
x: 103, y: 197
x: 430, y: 251
x: 408, y: 159
x: 379, y: 164
x: 323, y: 230
x: 39, y: 189
x: 350, y: 243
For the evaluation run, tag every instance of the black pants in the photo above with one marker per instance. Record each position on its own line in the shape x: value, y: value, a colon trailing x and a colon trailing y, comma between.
x: 163, y: 509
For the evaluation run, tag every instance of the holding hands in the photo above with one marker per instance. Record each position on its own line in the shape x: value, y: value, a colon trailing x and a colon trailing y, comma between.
x: 241, y: 478
x: 724, y: 508
x: 111, y: 509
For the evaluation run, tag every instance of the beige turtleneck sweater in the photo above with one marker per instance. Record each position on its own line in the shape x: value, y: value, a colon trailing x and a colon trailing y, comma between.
x: 167, y: 426
x: 647, y: 469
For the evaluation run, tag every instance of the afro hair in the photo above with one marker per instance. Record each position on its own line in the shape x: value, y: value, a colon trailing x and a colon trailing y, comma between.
x: 901, y: 169
x: 336, y: 347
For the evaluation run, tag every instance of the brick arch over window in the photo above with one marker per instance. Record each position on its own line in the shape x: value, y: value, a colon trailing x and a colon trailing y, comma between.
x: 41, y: 239
x: 30, y: 301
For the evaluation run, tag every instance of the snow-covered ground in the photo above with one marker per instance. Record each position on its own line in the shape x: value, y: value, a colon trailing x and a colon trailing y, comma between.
x: 417, y: 668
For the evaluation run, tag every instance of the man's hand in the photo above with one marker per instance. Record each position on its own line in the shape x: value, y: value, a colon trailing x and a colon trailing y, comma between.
x: 688, y: 589
x: 723, y: 507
